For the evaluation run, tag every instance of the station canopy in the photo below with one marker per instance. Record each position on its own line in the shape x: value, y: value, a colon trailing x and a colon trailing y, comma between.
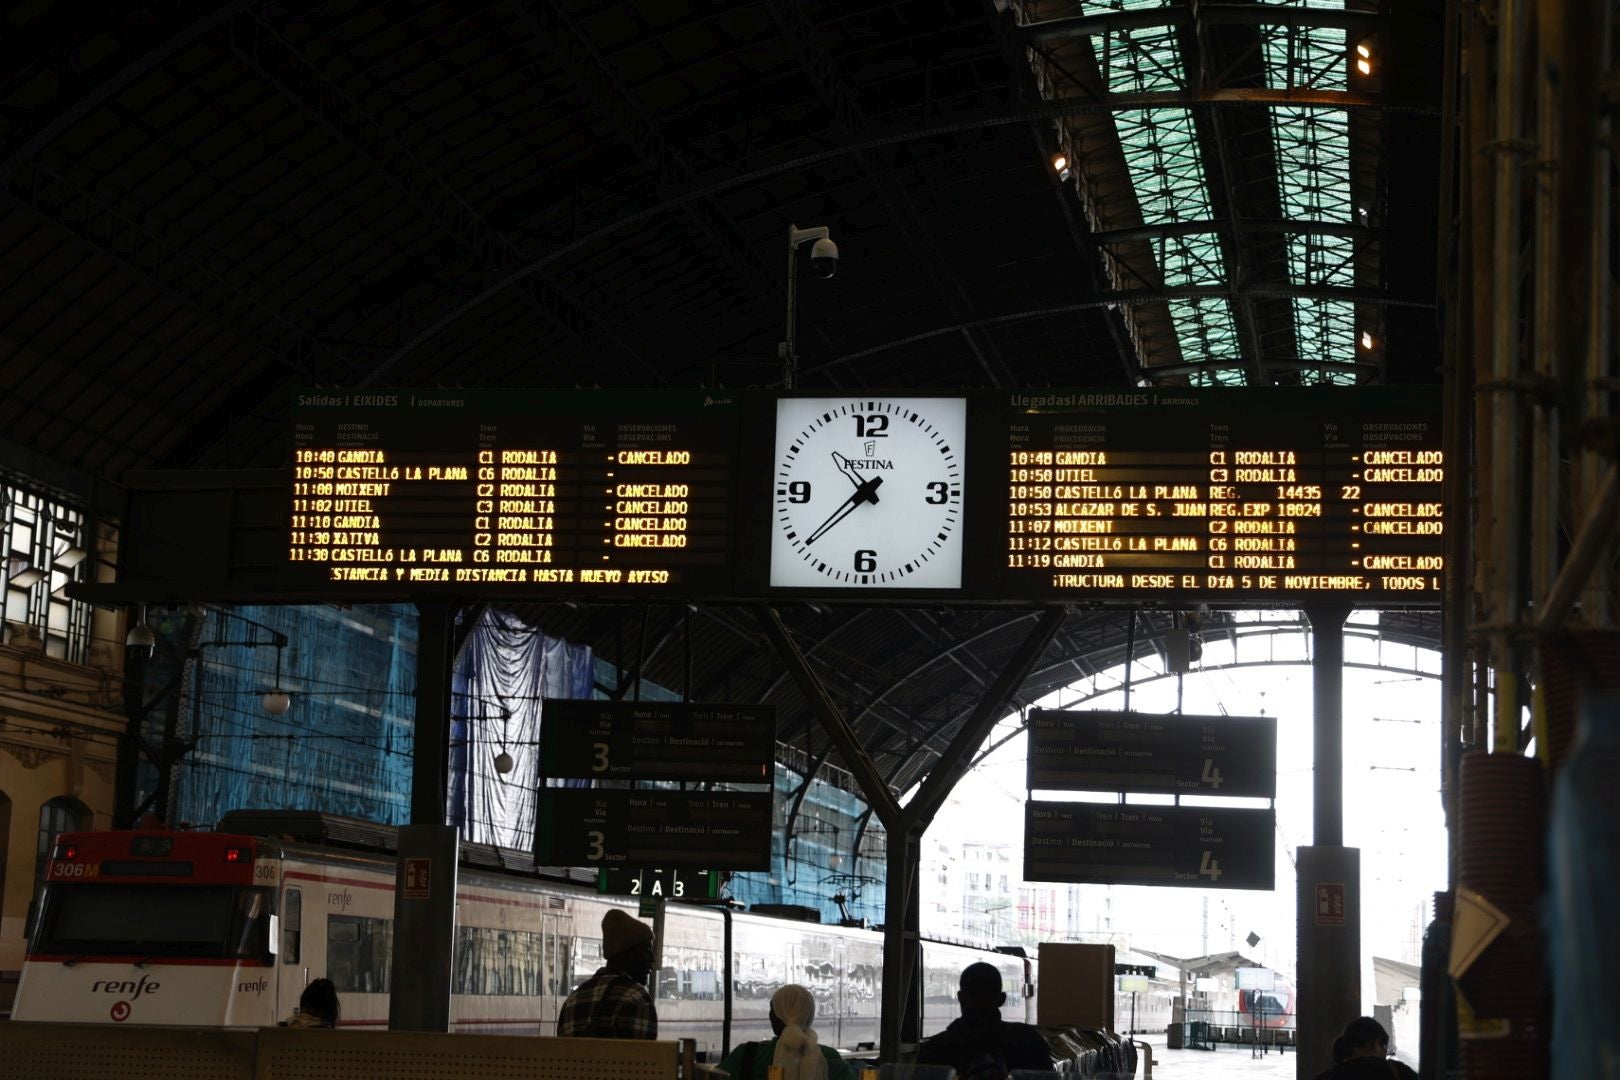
x: 204, y: 206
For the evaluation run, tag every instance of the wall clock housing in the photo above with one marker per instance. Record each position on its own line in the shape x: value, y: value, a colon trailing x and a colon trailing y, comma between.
x: 867, y: 493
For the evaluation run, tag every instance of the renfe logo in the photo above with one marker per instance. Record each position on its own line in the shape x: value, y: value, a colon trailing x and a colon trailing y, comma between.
x: 253, y: 986
x: 339, y: 900
x: 146, y: 985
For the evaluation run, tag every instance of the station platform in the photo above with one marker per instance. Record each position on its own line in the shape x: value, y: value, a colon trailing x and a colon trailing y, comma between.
x: 1226, y: 1063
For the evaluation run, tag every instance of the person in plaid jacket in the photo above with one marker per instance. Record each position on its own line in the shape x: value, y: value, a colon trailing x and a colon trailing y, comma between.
x: 614, y: 1003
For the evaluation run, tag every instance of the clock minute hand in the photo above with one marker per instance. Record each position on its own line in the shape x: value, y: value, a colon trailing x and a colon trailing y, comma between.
x: 866, y: 492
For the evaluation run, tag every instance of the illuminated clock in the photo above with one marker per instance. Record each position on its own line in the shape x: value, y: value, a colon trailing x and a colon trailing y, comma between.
x: 867, y: 493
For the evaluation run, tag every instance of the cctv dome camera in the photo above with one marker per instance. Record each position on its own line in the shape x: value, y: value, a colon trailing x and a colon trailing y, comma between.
x: 824, y: 258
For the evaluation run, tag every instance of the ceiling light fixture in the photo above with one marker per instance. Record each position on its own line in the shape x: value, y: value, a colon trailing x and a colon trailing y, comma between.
x: 1364, y: 66
x: 1060, y: 165
x: 276, y: 702
x: 140, y: 636
x: 1366, y: 339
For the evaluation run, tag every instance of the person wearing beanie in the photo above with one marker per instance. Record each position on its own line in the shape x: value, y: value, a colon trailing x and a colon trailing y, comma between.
x: 795, y: 1050
x: 614, y: 1003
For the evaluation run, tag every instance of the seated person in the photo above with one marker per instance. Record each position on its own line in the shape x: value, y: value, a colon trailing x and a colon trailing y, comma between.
x: 1362, y: 1053
x: 317, y: 1006
x: 795, y: 1049
x: 980, y: 1042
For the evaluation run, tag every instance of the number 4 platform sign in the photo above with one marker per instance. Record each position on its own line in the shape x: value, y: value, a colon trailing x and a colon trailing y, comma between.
x: 1134, y: 844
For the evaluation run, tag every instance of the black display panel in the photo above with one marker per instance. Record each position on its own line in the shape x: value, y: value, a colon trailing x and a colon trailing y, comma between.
x: 512, y: 491
x: 1130, y: 844
x: 715, y: 830
x: 1276, y: 494
x: 659, y: 883
x: 1143, y: 752
x: 657, y: 740
x: 1272, y: 496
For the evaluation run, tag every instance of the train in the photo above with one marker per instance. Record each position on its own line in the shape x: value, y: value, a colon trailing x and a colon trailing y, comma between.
x: 225, y: 928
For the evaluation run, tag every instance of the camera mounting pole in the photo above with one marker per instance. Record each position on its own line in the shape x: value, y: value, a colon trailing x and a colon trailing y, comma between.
x: 786, y: 351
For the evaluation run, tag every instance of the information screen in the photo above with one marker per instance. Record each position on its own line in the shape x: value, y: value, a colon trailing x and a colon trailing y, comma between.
x: 1148, y: 752
x: 1286, y: 492
x: 657, y: 740
x: 711, y: 830
x: 513, y: 490
x: 1131, y: 844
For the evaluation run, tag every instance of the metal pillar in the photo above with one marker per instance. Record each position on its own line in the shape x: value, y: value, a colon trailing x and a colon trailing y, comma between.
x: 1327, y: 910
x: 1327, y: 680
x: 1505, y: 505
x: 1327, y: 890
x: 425, y: 881
x: 902, y: 990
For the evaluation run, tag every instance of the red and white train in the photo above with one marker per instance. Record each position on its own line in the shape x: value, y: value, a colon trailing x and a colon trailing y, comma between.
x: 226, y: 929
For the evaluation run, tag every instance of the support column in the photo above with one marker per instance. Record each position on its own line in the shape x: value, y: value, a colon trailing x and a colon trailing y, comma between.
x: 901, y: 1001
x: 1327, y: 890
x: 430, y: 761
x: 902, y: 990
x: 131, y: 743
x: 1327, y: 684
x: 425, y: 880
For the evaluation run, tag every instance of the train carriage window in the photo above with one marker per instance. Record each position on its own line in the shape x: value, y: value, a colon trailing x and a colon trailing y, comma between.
x: 493, y: 961
x: 249, y: 934
x: 358, y: 953
x: 292, y: 924
x: 562, y: 967
x: 689, y: 974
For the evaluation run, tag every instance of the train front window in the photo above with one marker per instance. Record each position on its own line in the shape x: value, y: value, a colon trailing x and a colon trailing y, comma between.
x: 154, y: 921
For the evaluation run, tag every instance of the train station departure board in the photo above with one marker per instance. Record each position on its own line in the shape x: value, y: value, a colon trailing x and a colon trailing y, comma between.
x: 1285, y: 492
x: 513, y: 490
x: 1270, y: 496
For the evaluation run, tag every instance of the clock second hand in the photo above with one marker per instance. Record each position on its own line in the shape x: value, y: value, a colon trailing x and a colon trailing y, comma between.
x: 866, y: 492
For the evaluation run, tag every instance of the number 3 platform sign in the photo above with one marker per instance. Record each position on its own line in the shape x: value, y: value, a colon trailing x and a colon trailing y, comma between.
x: 628, y: 829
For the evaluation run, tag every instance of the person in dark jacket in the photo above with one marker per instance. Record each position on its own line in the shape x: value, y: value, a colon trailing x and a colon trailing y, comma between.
x: 317, y: 1006
x: 1362, y: 1053
x: 980, y: 1042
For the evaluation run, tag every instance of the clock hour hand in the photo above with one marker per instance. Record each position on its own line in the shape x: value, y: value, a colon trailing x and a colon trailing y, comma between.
x: 865, y: 492
x: 847, y: 467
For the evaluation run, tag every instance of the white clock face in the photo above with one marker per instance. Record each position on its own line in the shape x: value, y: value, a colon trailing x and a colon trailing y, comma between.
x: 867, y: 493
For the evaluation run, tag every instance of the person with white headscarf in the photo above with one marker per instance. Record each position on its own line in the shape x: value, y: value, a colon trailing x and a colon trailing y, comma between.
x: 795, y: 1049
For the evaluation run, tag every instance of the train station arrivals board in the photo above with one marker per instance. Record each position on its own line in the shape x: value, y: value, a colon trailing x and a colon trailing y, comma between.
x: 1271, y: 496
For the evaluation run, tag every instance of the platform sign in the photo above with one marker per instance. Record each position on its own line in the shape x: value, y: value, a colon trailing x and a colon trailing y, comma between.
x: 1118, y: 844
x: 657, y: 740
x: 660, y: 883
x: 728, y: 830
x: 1162, y: 754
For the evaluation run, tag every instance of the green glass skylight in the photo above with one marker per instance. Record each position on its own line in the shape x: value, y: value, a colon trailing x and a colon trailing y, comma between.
x: 1313, y: 174
x: 1162, y: 155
